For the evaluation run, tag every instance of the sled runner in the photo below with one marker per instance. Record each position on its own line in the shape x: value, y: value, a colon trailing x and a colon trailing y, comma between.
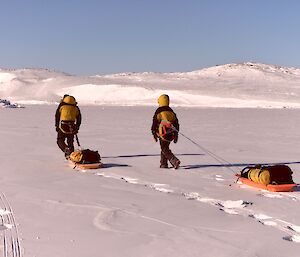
x: 269, y: 187
x: 276, y: 178
x: 85, y: 166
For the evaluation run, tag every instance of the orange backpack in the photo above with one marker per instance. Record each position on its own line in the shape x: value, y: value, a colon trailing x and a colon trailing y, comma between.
x: 166, y: 130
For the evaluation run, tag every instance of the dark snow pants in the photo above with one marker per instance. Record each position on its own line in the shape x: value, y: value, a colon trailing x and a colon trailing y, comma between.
x: 61, y: 138
x: 166, y: 154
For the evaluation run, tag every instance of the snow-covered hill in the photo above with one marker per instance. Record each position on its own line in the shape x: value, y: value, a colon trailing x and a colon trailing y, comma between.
x: 230, y: 85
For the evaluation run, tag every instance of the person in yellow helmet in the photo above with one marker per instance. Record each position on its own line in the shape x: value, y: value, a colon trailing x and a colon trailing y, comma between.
x: 165, y: 127
x: 67, y: 123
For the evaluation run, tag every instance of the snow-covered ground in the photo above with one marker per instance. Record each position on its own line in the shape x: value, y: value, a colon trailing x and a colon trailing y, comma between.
x: 231, y: 85
x: 131, y: 208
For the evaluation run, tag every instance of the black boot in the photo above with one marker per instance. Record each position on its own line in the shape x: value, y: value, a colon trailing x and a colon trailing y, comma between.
x: 68, y: 151
x: 164, y: 166
x: 163, y: 161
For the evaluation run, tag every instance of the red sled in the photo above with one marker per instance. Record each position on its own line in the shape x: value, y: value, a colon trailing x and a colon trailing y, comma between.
x: 270, y: 187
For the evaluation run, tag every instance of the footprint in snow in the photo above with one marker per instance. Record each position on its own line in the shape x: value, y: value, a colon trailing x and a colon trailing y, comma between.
x: 293, y: 238
x: 219, y: 178
x: 130, y: 180
x: 269, y: 223
x: 234, y: 204
x: 191, y: 196
x: 294, y: 228
x: 102, y: 174
x: 232, y: 207
x: 5, y: 227
x: 207, y: 200
x: 4, y: 212
x: 161, y: 188
x: 196, y: 196
x: 260, y: 216
x: 264, y: 219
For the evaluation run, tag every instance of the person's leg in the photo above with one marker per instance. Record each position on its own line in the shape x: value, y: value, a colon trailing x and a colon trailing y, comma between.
x: 167, y: 154
x: 70, y: 142
x: 163, y: 161
x: 175, y: 162
x: 61, y: 141
x: 164, y: 145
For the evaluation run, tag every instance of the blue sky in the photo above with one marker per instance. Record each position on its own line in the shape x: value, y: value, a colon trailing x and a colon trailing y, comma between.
x: 101, y: 37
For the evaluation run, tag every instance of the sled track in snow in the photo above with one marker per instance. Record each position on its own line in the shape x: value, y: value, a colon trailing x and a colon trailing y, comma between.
x: 239, y: 207
x: 11, y: 242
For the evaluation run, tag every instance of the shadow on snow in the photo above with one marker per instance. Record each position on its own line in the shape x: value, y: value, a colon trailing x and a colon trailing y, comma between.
x: 147, y: 155
x: 199, y: 166
x: 112, y: 165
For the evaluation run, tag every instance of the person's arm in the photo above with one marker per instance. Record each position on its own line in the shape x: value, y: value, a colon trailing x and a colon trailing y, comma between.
x: 176, y: 125
x: 154, y: 126
x: 78, y: 120
x: 57, y: 118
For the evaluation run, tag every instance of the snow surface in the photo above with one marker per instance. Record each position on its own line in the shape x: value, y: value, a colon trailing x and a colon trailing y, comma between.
x: 131, y: 208
x: 231, y: 85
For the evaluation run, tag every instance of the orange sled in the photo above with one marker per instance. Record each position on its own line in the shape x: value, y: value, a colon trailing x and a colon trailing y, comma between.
x: 271, y: 188
x: 85, y: 166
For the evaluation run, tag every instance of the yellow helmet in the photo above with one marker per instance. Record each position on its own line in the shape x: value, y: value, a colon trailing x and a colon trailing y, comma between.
x: 70, y: 100
x: 163, y: 100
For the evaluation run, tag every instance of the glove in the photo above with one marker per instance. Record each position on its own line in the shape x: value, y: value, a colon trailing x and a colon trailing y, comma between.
x: 175, y: 138
x: 155, y: 137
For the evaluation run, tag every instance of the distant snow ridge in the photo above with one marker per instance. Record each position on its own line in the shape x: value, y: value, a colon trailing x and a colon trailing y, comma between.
x: 244, y: 85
